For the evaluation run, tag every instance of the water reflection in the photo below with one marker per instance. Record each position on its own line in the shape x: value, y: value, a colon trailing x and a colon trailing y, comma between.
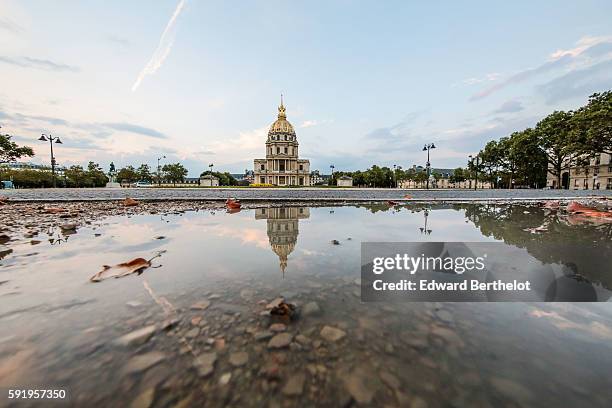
x: 283, y: 229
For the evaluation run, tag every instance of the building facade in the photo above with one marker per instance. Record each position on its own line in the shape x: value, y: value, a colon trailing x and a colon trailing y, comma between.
x: 594, y: 175
x: 282, y: 165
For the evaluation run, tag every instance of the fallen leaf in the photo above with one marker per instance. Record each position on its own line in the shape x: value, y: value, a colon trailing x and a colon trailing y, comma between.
x: 137, y: 265
x: 53, y: 210
x: 130, y: 202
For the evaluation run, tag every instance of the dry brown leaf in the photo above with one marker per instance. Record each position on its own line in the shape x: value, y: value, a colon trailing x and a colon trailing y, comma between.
x: 53, y: 210
x: 130, y: 202
x: 123, y: 269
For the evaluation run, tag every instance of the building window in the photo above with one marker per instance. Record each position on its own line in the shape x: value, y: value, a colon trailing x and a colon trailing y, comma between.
x: 609, y: 185
x: 301, y: 167
x: 278, y: 150
x: 286, y: 150
x: 610, y: 168
x: 263, y: 166
x: 262, y: 180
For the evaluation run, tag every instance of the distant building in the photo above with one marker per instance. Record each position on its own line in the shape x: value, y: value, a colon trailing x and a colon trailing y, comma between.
x: 209, y: 181
x: 345, y: 181
x: 59, y: 170
x: 596, y: 174
x: 317, y: 179
x: 282, y: 166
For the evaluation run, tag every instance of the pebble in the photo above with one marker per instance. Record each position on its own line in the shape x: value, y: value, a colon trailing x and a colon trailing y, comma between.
x: 280, y: 340
x: 192, y: 333
x: 295, y: 385
x: 311, y: 309
x: 144, y: 400
x: 278, y: 327
x: 390, y: 380
x: 225, y: 379
x: 263, y: 335
x: 332, y: 334
x: 144, y: 361
x: 137, y: 337
x: 359, y: 387
x: 202, y: 305
x: 205, y: 363
x: 239, y: 358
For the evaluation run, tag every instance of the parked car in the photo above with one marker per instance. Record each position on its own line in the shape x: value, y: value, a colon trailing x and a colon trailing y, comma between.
x: 6, y: 184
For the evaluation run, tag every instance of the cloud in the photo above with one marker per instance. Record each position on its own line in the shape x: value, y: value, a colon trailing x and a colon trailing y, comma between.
x: 163, y: 47
x: 579, y: 83
x: 120, y: 41
x: 584, y: 54
x: 141, y: 130
x: 510, y: 107
x: 309, y: 123
x: 28, y: 62
x: 8, y: 25
x: 494, y: 76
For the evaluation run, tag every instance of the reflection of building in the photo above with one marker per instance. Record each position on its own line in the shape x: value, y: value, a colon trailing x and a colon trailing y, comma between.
x: 595, y: 174
x: 281, y: 166
x: 282, y: 229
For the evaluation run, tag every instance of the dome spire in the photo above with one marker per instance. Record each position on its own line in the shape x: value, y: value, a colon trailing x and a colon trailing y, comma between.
x: 281, y: 110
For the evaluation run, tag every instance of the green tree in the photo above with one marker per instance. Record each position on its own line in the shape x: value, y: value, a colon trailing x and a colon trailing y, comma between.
x: 592, y: 125
x: 459, y: 175
x: 10, y: 151
x: 530, y: 162
x: 144, y: 173
x: 555, y: 137
x: 75, y: 176
x: 127, y: 175
x: 95, y: 175
x: 174, y: 172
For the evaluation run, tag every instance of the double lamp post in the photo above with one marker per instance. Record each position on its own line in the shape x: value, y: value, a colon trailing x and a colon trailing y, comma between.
x: 51, y: 140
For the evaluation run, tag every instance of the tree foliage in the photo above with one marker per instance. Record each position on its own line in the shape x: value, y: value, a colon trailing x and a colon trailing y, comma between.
x: 10, y: 151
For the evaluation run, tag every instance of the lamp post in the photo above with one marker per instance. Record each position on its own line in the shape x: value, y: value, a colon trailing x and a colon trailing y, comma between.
x: 475, y: 169
x: 51, y: 140
x: 427, y: 148
x: 159, y: 170
x: 332, y: 167
x: 424, y: 229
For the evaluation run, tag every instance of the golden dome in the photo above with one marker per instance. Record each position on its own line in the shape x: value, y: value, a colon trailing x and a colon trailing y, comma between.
x: 281, y: 125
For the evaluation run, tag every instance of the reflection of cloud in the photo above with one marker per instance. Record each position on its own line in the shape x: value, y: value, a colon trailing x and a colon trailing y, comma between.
x: 248, y: 236
x: 592, y: 328
x: 29, y: 62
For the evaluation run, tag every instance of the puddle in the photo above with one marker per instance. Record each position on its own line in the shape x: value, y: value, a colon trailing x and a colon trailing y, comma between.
x: 192, y: 329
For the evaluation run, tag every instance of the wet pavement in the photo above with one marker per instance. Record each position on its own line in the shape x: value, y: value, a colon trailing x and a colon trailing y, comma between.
x: 263, y: 194
x: 196, y: 328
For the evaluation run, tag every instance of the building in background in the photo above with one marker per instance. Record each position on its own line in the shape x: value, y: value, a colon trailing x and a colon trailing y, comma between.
x: 345, y: 181
x: 595, y: 174
x: 282, y: 165
x: 209, y: 181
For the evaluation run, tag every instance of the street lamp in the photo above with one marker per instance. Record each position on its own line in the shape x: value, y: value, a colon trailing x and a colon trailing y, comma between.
x: 159, y: 170
x: 424, y: 229
x: 332, y: 167
x: 427, y: 148
x: 475, y: 169
x: 51, y: 140
x: 210, y: 166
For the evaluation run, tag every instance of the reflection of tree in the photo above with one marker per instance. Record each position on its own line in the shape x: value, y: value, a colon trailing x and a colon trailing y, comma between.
x: 283, y: 223
x: 585, y: 248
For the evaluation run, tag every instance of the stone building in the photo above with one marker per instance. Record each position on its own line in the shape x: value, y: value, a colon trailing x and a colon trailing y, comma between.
x: 345, y: 181
x: 283, y: 229
x: 209, y: 181
x: 282, y: 166
x: 596, y: 174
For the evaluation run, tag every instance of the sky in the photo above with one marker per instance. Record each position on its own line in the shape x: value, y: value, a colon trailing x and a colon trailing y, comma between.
x: 364, y: 82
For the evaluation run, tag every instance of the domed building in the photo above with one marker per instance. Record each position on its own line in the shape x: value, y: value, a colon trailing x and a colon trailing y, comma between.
x: 282, y: 167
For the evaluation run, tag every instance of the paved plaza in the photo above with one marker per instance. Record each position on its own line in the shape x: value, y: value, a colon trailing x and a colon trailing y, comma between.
x: 288, y: 194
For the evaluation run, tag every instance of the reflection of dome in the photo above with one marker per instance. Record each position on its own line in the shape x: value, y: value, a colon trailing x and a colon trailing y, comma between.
x: 283, y: 229
x: 281, y: 125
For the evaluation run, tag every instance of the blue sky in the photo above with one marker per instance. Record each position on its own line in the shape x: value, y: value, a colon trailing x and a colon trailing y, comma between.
x: 364, y: 82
